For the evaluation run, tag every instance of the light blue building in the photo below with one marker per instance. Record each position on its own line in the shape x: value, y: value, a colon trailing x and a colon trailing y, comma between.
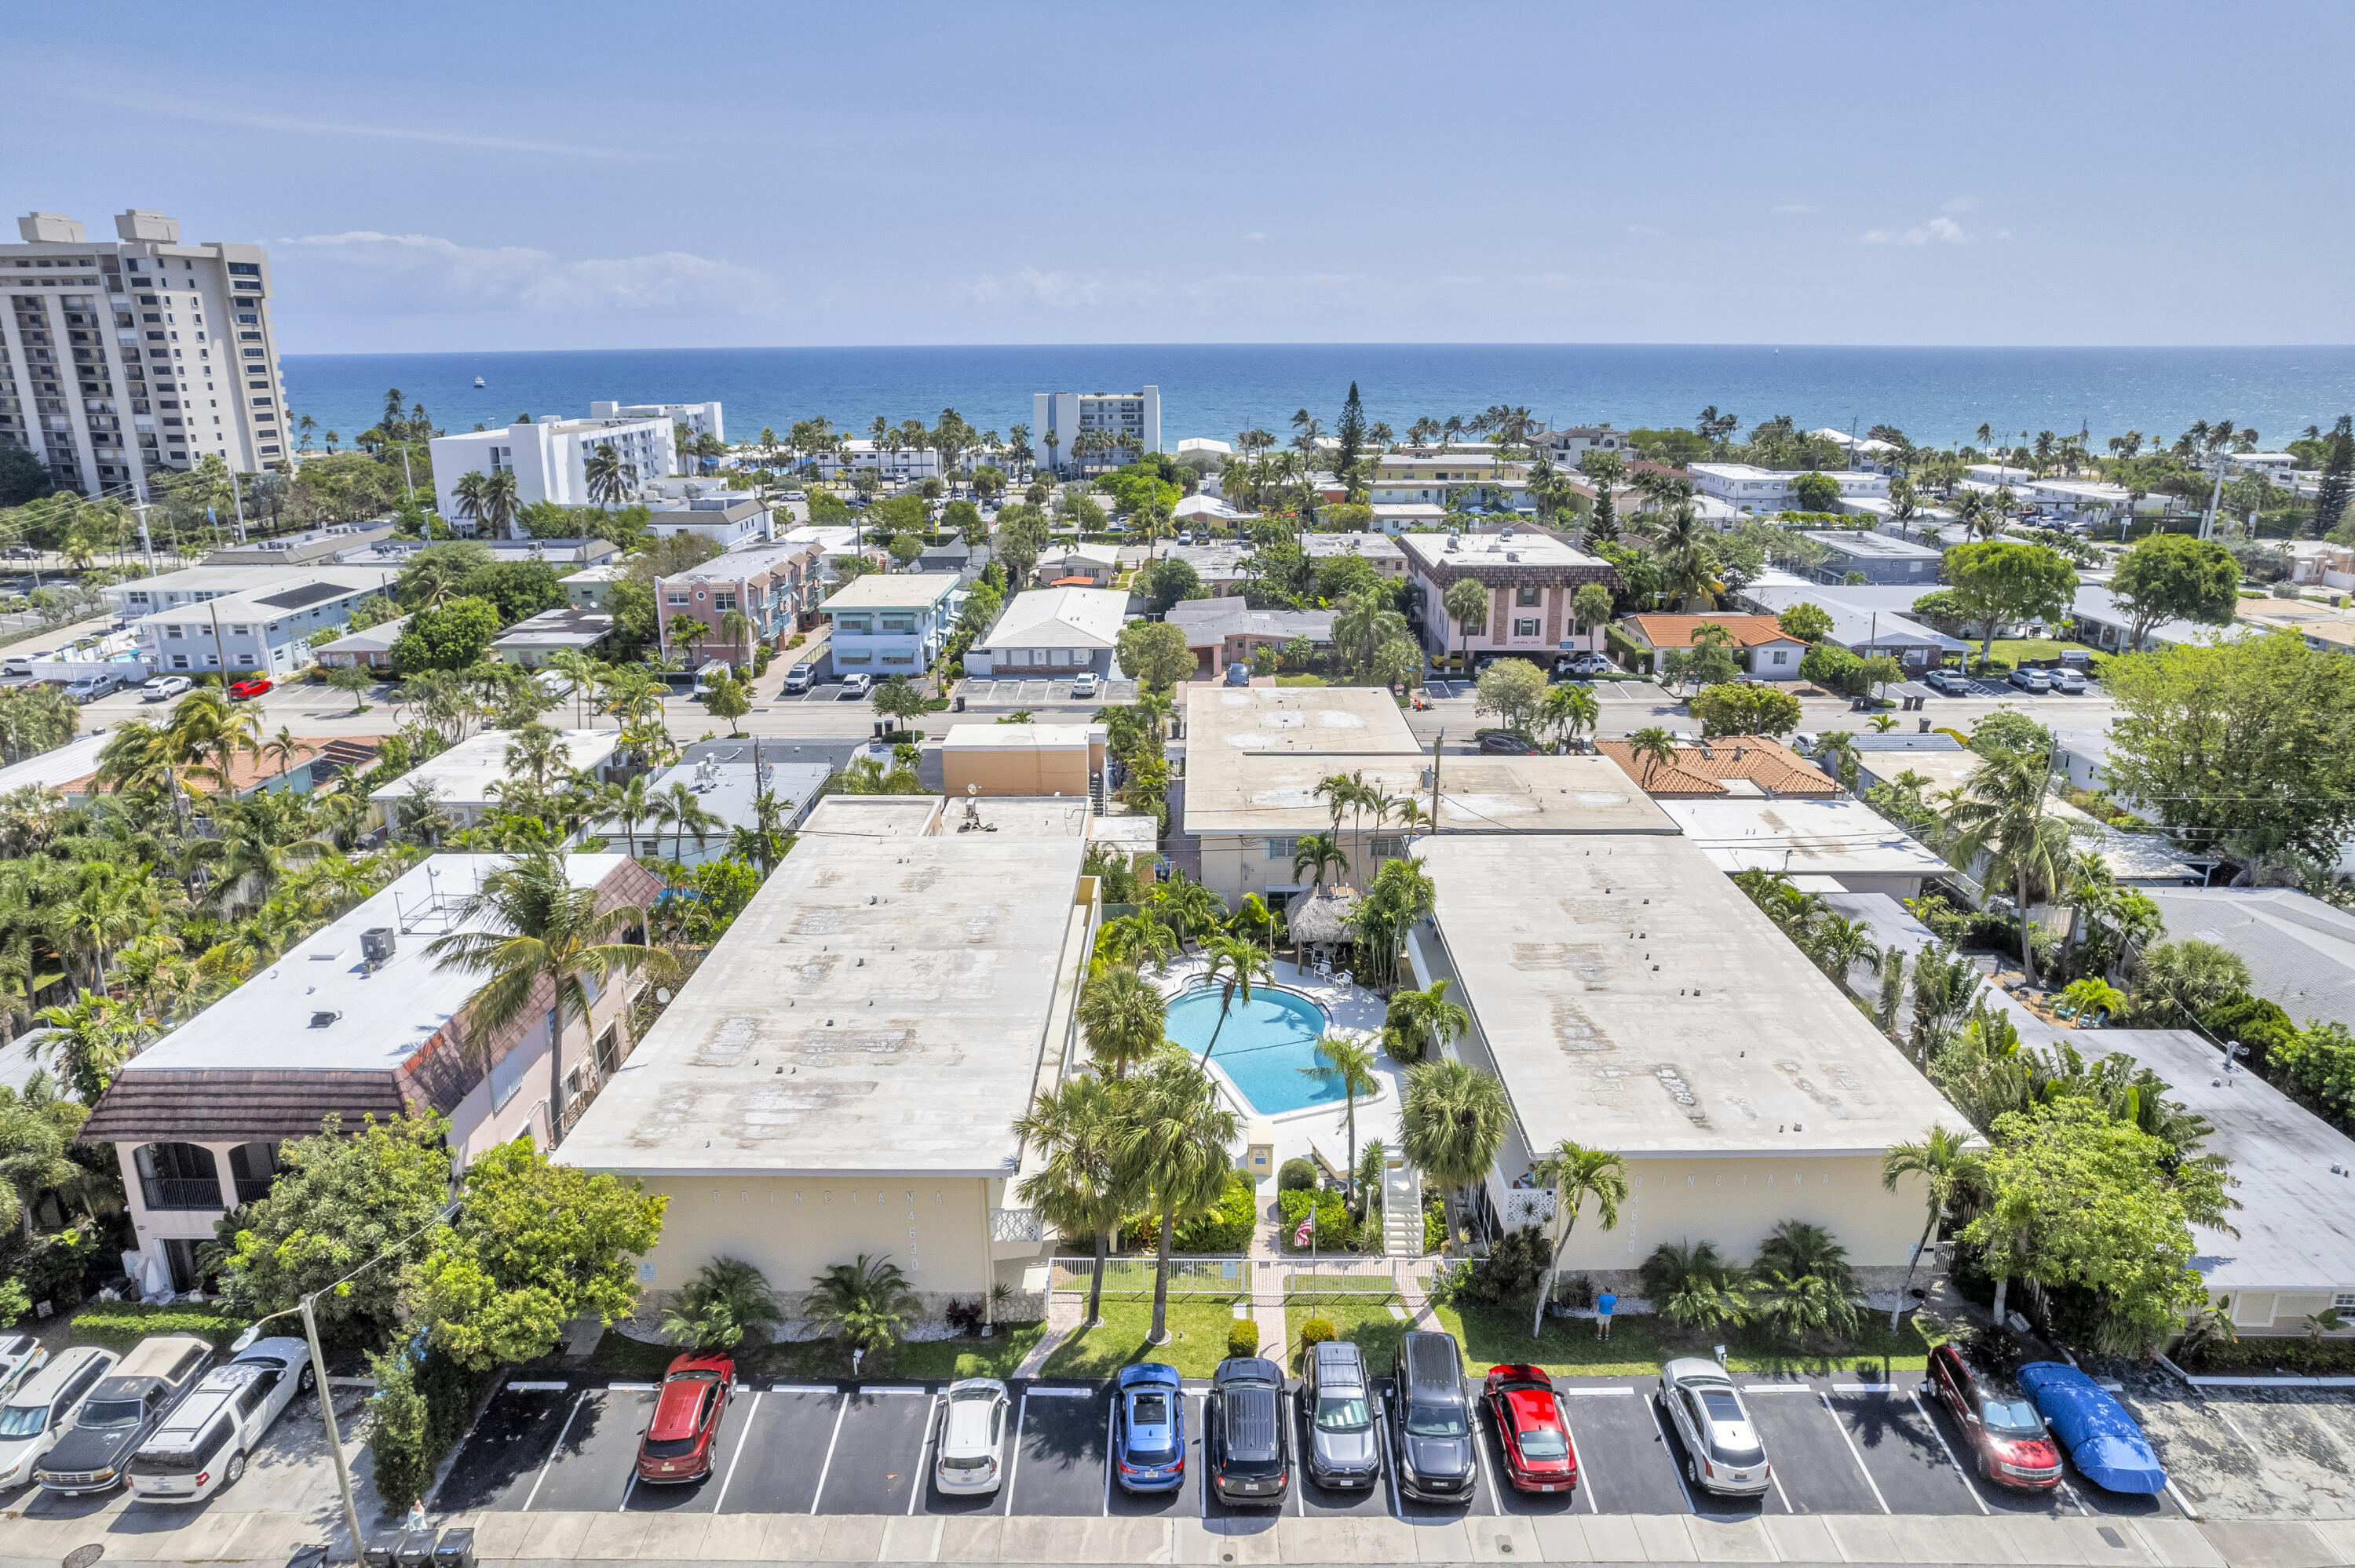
x: 892, y: 624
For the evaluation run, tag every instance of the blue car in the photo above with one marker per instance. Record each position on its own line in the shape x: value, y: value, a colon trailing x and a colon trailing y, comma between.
x: 2103, y: 1441
x: 1149, y: 1439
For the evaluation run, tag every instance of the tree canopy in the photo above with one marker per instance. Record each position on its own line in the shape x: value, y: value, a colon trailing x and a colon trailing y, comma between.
x: 2174, y: 577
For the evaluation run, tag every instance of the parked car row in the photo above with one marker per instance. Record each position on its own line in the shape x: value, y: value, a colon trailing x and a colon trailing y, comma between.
x: 2036, y: 682
x: 86, y: 1421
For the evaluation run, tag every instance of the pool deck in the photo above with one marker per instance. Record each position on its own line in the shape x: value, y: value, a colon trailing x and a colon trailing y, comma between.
x: 1355, y: 1013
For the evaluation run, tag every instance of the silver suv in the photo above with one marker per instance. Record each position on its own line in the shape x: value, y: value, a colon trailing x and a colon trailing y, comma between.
x: 1337, y: 1407
x: 1722, y: 1452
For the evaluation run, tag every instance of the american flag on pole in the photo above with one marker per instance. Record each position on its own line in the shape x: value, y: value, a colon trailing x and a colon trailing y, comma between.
x: 1307, y: 1229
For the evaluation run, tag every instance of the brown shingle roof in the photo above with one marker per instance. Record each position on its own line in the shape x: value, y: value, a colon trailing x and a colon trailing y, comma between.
x: 1676, y: 630
x: 223, y: 1106
x: 1699, y: 769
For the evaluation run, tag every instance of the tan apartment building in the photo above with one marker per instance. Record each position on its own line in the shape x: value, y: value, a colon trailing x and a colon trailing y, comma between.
x: 1530, y: 575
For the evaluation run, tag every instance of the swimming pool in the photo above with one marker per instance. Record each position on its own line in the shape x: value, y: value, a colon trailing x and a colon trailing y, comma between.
x: 1266, y: 1044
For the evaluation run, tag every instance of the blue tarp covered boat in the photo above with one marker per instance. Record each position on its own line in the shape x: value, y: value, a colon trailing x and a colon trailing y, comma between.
x: 2103, y: 1441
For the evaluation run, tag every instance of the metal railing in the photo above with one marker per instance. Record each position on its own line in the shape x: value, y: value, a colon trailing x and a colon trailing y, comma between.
x: 1376, y: 1277
x: 251, y: 1189
x: 181, y: 1193
x: 1134, y: 1276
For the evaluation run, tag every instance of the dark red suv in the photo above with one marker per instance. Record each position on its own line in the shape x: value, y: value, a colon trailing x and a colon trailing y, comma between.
x: 2007, y: 1437
x: 678, y: 1441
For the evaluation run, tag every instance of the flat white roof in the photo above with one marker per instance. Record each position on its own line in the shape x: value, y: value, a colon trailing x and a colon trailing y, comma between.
x: 1525, y: 547
x: 1802, y: 836
x: 1059, y: 618
x: 879, y: 1007
x: 892, y: 590
x: 465, y: 773
x: 1275, y: 792
x: 1022, y: 736
x: 383, y: 1017
x: 1734, y: 1045
x: 77, y: 758
x: 1856, y: 542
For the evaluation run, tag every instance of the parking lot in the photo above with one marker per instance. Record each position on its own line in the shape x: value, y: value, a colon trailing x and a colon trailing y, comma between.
x: 1837, y: 1447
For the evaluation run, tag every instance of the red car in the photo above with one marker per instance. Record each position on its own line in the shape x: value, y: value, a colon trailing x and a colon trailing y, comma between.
x: 678, y: 1441
x: 2006, y: 1435
x: 253, y: 688
x: 1531, y: 1431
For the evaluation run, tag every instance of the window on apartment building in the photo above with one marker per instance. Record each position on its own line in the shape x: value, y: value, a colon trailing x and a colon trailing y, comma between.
x: 173, y: 633
x: 845, y: 656
x: 904, y: 658
x: 724, y: 598
x: 1281, y: 849
x: 903, y: 624
x: 1386, y: 846
x: 859, y: 624
x: 1528, y: 628
x: 674, y: 598
x: 1525, y: 595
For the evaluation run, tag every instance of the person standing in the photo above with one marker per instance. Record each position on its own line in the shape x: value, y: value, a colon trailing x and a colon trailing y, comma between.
x: 1603, y: 1306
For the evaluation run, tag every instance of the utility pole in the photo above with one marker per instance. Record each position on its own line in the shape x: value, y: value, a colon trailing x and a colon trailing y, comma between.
x: 145, y: 544
x: 1435, y: 741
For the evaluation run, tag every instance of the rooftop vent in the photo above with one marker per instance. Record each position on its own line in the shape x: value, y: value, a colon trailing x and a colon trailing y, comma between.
x: 321, y: 1020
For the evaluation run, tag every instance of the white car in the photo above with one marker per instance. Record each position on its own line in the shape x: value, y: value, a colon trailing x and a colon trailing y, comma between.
x: 21, y: 1356
x: 1084, y: 684
x: 2068, y: 682
x: 972, y: 1434
x: 37, y: 1412
x: 1723, y: 1451
x: 163, y: 688
x: 202, y: 1445
x: 855, y: 685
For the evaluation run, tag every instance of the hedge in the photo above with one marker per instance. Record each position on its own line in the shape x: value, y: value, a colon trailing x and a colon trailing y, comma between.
x: 1242, y: 1338
x: 418, y: 1413
x: 1229, y: 1230
x: 1335, y: 1230
x: 119, y: 1325
x: 2312, y: 1357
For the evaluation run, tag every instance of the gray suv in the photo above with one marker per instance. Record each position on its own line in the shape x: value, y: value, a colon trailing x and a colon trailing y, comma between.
x: 1431, y: 1419
x: 1337, y: 1408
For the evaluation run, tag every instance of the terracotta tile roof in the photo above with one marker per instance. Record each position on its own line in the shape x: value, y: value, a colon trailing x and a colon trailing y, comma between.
x: 1676, y: 630
x: 1699, y: 770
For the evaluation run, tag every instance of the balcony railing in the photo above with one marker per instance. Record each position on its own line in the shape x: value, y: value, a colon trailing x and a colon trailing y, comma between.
x: 181, y: 1192
x: 1526, y: 1206
x: 253, y: 1189
x: 1017, y: 1225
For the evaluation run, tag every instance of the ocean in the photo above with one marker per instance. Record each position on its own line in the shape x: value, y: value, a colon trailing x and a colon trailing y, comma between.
x: 1936, y: 395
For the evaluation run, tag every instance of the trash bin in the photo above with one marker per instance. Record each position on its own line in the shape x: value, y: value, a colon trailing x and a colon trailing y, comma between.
x: 308, y: 1557
x: 416, y: 1549
x: 960, y: 703
x: 384, y: 1551
x: 457, y: 1549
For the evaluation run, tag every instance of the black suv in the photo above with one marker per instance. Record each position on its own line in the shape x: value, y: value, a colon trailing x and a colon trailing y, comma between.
x: 1243, y: 1439
x: 1336, y: 1406
x: 120, y: 1412
x: 1431, y: 1419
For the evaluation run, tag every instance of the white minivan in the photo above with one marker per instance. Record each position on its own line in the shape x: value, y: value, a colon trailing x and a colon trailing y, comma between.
x: 202, y: 1445
x: 35, y: 1414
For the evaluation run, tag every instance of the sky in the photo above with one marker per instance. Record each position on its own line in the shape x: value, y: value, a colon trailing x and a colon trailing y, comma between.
x: 452, y: 177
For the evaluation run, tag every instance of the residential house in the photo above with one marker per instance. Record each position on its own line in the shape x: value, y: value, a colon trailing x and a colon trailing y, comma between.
x: 1824, y: 843
x: 372, y: 647
x: 359, y: 1019
x: 1759, y: 644
x: 2300, y: 951
x: 2104, y: 622
x: 1074, y: 566
x: 592, y: 588
x: 1225, y: 630
x: 1219, y: 566
x: 1377, y: 550
x: 1057, y: 632
x: 1746, y: 487
x: 1751, y: 767
x: 531, y: 642
x: 1530, y: 576
x: 888, y: 624
x: 1874, y: 557
x: 467, y: 780
x: 1865, y: 630
x: 1207, y: 515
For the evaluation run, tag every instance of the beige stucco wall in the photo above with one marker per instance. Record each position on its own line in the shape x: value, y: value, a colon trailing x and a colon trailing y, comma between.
x: 935, y: 1228
x: 1015, y: 770
x: 1738, y: 1201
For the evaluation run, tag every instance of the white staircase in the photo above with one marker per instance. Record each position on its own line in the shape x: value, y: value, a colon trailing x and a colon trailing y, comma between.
x: 1401, y: 1208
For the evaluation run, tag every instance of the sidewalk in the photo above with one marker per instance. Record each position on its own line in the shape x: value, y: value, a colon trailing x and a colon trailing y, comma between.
x: 1967, y: 1541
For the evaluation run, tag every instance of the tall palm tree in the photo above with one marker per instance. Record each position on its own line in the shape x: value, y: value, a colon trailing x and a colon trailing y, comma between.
x: 685, y: 814
x: 1466, y: 604
x: 1454, y: 1118
x: 1576, y: 1173
x: 1316, y: 854
x: 1125, y: 1018
x: 500, y: 500
x: 1942, y: 1158
x: 87, y: 1042
x: 1173, y: 1146
x: 584, y: 673
x: 1233, y: 965
x: 2002, y: 813
x: 1654, y: 748
x: 608, y: 476
x: 1349, y: 1063
x: 737, y: 628
x: 1083, y: 1186
x: 1569, y: 711
x: 632, y: 803
x: 538, y: 930
x: 1421, y: 1019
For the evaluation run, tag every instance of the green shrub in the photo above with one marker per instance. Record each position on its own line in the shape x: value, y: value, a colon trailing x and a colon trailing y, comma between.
x: 2319, y: 1064
x: 1297, y: 1175
x: 119, y: 1325
x: 1242, y: 1338
x: 1315, y: 1331
x: 2254, y: 1021
x: 419, y: 1410
x: 1335, y: 1231
x: 1228, y: 1229
x: 2306, y: 1357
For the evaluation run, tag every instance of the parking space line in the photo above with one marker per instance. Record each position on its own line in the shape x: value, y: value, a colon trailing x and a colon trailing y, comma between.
x: 1931, y: 1422
x: 2070, y: 1493
x: 558, y: 1387
x: 1111, y: 1457
x: 627, y: 1488
x: 1577, y: 1466
x: 2189, y: 1511
x: 549, y: 1463
x: 1286, y: 1412
x: 1488, y: 1471
x: 841, y: 1410
x: 802, y: 1388
x: 1833, y: 1411
x: 932, y: 1422
x: 1669, y: 1451
x: 1597, y: 1391
x: 1775, y: 1475
x: 741, y: 1438
x: 888, y: 1388
x: 632, y: 1387
x: 1056, y: 1390
x: 1864, y: 1388
x: 1014, y: 1464
x: 1777, y: 1388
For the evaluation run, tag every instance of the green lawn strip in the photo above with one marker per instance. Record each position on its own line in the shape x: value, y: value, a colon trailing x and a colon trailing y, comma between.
x: 1641, y: 1345
x: 996, y: 1356
x: 2009, y: 650
x: 1199, y: 1324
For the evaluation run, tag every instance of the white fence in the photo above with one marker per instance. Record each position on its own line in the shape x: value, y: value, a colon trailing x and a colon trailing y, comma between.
x: 1134, y: 1275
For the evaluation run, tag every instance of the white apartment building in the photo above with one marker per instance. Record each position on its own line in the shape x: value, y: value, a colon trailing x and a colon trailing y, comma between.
x: 700, y: 419
x: 1134, y: 418
x: 126, y: 359
x: 1568, y: 445
x: 905, y: 465
x: 551, y: 458
x: 1748, y: 488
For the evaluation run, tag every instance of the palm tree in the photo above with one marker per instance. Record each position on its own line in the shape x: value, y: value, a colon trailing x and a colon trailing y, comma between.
x: 1813, y: 1289
x: 727, y: 1297
x: 609, y: 478
x: 1942, y: 1158
x: 632, y: 803
x: 1125, y: 1018
x: 1187, y: 908
x: 1838, y: 944
x: 500, y: 500
x: 737, y: 627
x: 1691, y: 1285
x: 1233, y: 965
x: 1350, y: 1063
x: 282, y: 749
x: 1838, y: 747
x: 678, y: 806
x: 1418, y: 1018
x: 1361, y: 624
x: 1656, y: 747
x: 1577, y: 1173
x: 584, y: 674
x: 1315, y: 854
x: 540, y: 930
x: 1135, y: 939
x: 1569, y: 711
x: 1455, y: 1117
x: 87, y: 1043
x: 2002, y: 812
x: 1082, y: 1188
x: 1465, y: 603
x: 1173, y: 1148
x: 866, y: 1303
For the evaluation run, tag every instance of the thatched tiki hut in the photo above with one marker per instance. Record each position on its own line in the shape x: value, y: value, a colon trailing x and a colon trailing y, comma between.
x: 1320, y: 924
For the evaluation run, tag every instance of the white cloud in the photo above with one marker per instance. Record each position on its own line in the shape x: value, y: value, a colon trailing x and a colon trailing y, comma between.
x: 1254, y: 236
x: 1797, y: 206
x: 1961, y: 204
x: 1944, y: 230
x: 421, y: 274
x: 1641, y: 229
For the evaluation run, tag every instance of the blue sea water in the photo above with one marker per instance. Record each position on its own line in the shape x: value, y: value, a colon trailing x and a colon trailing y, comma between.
x: 1936, y: 395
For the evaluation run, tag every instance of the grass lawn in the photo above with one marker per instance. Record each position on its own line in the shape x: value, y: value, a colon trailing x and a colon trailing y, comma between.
x: 1637, y: 1347
x: 2009, y: 650
x: 619, y: 1356
x: 1199, y: 1324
